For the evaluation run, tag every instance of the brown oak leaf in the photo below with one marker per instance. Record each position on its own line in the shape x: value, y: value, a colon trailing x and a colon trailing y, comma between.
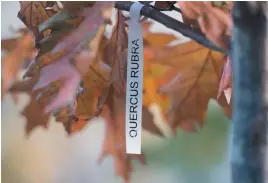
x: 215, y: 21
x: 73, y: 44
x: 158, y: 40
x: 164, y: 4
x: 115, y: 54
x: 114, y: 143
x: 195, y: 82
x: 112, y: 104
x: 8, y: 44
x: 12, y: 61
x: 75, y: 7
x: 226, y: 78
x: 71, y: 123
x: 95, y: 78
x: 33, y: 13
x: 34, y: 113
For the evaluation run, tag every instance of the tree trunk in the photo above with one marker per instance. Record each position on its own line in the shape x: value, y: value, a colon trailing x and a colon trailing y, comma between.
x: 249, y: 112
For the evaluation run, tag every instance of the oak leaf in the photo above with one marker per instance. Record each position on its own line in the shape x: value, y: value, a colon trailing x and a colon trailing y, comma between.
x: 155, y: 76
x: 164, y: 4
x: 80, y: 74
x: 60, y: 25
x: 89, y: 56
x: 12, y: 61
x: 215, y: 22
x: 226, y: 77
x: 115, y: 55
x: 8, y: 44
x: 118, y: 61
x: 33, y: 13
x: 39, y: 62
x: 195, y: 82
x: 114, y: 143
x: 78, y: 124
x: 76, y: 116
x: 71, y: 122
x: 22, y: 86
x: 112, y: 103
x: 75, y: 7
x: 95, y: 78
x: 148, y: 122
x: 158, y: 40
x: 62, y: 70
x: 73, y: 44
x: 34, y: 113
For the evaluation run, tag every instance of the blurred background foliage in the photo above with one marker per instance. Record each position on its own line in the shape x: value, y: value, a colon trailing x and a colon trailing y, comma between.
x: 49, y: 156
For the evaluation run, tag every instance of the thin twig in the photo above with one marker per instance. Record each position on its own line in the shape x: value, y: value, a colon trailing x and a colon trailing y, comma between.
x: 169, y: 22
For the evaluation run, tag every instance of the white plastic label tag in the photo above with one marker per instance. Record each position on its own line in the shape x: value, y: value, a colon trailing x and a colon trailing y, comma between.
x: 134, y: 89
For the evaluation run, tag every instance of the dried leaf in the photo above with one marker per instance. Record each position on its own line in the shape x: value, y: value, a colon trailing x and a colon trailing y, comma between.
x: 228, y: 95
x: 71, y: 123
x: 95, y: 78
x: 73, y: 44
x: 164, y: 4
x: 34, y: 113
x: 114, y: 142
x: 24, y: 86
x: 148, y: 122
x: 8, y: 44
x: 60, y: 25
x: 115, y: 55
x: 80, y: 74
x: 196, y: 81
x: 214, y: 21
x: 226, y: 77
x: 146, y: 27
x: 158, y: 40
x: 49, y: 93
x: 11, y: 63
x: 79, y: 124
x: 35, y: 66
x: 62, y: 70
x: 112, y: 103
x: 155, y: 76
x: 33, y: 13
x: 192, y: 22
x: 75, y: 7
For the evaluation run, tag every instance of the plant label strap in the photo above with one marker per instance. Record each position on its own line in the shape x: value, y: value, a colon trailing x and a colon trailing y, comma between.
x: 134, y: 87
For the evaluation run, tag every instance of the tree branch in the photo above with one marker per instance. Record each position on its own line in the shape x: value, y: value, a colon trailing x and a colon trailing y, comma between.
x: 169, y: 22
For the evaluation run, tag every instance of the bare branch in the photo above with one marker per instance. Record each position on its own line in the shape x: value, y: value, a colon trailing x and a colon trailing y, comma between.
x: 169, y: 22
